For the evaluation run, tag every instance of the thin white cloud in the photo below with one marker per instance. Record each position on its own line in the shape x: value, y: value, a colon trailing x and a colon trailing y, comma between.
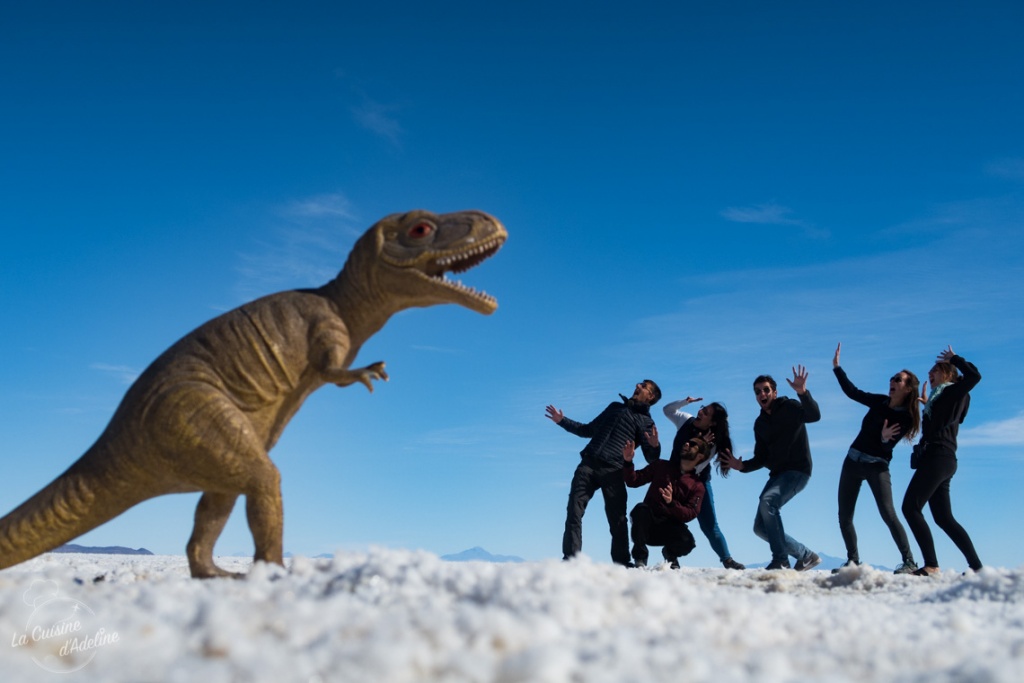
x: 334, y: 205
x: 974, y: 221
x: 378, y: 118
x: 1009, y: 432
x: 307, y: 249
x: 1009, y: 169
x: 771, y: 214
x: 124, y: 373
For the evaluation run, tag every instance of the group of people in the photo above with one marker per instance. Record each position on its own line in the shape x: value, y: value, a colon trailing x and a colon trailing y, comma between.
x: 679, y: 487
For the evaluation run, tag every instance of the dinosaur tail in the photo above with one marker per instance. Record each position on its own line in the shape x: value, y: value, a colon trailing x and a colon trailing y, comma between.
x: 79, y: 500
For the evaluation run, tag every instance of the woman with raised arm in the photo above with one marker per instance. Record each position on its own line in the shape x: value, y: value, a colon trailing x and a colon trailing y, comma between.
x: 890, y: 417
x: 711, y: 424
x: 944, y: 411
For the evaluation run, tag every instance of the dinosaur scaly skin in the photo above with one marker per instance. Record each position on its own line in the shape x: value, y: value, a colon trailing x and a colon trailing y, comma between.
x: 204, y: 416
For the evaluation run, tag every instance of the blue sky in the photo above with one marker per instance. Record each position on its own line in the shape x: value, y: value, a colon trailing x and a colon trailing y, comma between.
x: 695, y: 192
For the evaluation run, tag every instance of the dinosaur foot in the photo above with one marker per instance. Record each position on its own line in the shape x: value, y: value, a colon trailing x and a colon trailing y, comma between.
x: 212, y: 571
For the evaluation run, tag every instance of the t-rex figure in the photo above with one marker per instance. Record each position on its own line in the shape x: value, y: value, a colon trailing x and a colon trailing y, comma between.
x: 204, y: 416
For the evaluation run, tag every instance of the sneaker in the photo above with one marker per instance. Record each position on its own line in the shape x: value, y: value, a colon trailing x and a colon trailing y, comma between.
x: 906, y: 567
x: 810, y: 562
x: 850, y: 563
x: 778, y: 564
x: 730, y: 563
x: 927, y: 571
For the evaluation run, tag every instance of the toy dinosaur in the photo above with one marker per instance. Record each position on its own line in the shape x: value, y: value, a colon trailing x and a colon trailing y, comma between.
x: 204, y: 416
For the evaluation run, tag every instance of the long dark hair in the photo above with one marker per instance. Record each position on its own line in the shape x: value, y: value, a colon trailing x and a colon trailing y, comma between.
x: 720, y: 428
x: 912, y: 404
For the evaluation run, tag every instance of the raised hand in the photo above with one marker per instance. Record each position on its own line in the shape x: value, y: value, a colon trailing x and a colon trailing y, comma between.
x: 889, y: 431
x: 628, y: 451
x: 652, y: 436
x: 666, y: 493
x: 945, y: 355
x: 554, y: 414
x: 799, y: 381
x: 835, y: 358
x: 729, y: 461
x: 924, y: 392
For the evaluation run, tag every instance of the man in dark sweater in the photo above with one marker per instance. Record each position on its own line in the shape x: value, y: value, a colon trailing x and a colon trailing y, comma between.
x: 601, y: 464
x: 781, y: 445
x: 673, y: 498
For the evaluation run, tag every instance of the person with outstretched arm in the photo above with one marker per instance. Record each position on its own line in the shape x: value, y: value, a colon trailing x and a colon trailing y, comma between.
x: 601, y: 464
x: 711, y: 423
x: 781, y: 445
x: 890, y: 417
x: 945, y: 408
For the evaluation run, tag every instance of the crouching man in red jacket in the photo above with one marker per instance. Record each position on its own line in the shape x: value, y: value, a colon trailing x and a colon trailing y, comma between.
x: 673, y: 499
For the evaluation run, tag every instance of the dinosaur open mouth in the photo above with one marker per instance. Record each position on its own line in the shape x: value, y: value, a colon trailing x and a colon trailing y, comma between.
x: 457, y: 262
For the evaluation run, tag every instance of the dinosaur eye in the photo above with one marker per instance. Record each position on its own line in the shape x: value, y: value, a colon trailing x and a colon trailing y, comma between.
x: 421, y: 230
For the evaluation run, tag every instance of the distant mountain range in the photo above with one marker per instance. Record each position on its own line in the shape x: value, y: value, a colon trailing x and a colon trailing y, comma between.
x: 475, y: 554
x: 478, y: 554
x: 105, y: 550
x: 827, y: 562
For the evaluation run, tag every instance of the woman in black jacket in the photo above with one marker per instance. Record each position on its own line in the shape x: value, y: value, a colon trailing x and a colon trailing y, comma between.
x: 890, y: 417
x: 944, y: 411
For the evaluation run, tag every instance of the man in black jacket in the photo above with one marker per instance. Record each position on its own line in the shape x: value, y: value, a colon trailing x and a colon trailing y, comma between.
x: 781, y: 445
x: 601, y: 464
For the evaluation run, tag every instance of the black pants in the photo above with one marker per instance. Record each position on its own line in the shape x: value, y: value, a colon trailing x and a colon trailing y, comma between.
x: 930, y: 484
x: 588, y: 478
x: 877, y: 476
x: 648, y: 530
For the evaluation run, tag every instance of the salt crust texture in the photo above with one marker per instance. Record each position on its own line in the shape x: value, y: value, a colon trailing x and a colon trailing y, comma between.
x: 394, y: 615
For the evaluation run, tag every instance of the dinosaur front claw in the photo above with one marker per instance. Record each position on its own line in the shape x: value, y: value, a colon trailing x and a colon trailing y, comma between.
x: 374, y: 371
x: 365, y: 376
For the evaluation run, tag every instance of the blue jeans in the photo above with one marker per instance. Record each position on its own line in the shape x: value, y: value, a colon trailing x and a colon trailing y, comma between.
x: 779, y: 490
x: 709, y: 524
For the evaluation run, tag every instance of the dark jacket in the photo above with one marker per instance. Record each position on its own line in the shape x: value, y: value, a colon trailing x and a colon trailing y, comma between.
x: 940, y: 425
x: 687, y: 490
x: 609, y: 431
x: 780, y: 437
x: 869, y: 440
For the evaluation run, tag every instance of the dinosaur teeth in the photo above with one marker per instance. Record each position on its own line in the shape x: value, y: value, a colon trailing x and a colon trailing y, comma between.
x: 466, y: 259
x: 438, y: 266
x: 458, y: 285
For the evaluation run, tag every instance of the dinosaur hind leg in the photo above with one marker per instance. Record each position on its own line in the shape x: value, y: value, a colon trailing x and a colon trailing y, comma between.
x: 260, y: 482
x: 216, y: 448
x: 257, y: 478
x: 265, y: 512
x: 211, y: 515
